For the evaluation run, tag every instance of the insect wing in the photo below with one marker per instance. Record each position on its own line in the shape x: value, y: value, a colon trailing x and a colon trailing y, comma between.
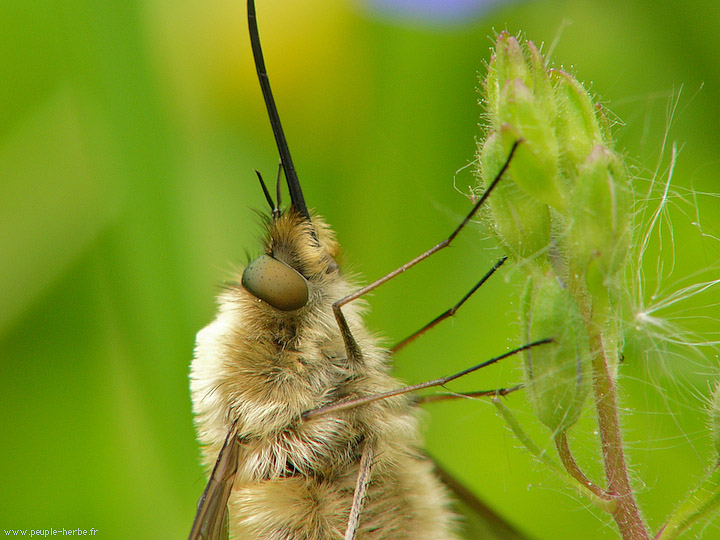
x: 211, y: 520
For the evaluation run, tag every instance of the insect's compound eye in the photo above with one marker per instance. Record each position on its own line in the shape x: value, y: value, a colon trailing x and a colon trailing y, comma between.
x: 276, y: 283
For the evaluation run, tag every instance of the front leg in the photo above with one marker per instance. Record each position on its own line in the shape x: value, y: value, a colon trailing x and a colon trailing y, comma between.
x: 363, y: 481
x: 352, y: 349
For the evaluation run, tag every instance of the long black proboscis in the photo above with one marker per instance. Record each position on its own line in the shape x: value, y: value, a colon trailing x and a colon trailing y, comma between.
x: 296, y: 195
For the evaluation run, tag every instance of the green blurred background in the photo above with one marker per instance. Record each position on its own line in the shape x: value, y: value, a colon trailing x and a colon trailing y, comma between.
x: 129, y: 131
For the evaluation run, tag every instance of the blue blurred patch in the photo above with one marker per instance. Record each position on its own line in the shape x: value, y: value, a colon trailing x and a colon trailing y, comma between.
x: 433, y: 11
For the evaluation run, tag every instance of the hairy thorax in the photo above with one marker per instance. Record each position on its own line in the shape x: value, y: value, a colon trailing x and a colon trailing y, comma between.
x: 262, y: 369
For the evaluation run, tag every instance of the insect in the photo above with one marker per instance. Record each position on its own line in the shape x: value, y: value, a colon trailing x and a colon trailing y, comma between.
x: 310, y: 435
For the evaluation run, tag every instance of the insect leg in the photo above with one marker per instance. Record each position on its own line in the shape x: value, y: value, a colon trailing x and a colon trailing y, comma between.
x: 350, y: 345
x: 500, y: 392
x: 363, y: 480
x: 354, y: 402
x: 448, y: 313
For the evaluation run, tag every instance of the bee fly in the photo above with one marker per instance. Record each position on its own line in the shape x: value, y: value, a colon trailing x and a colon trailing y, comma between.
x: 312, y: 438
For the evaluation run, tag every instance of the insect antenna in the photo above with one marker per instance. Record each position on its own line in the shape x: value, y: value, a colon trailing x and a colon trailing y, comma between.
x: 274, y: 208
x: 278, y: 186
x: 296, y: 194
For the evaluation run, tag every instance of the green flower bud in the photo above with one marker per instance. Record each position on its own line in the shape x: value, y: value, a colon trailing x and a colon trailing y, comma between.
x: 578, y: 130
x: 510, y: 59
x: 491, y: 91
x: 557, y: 376
x: 535, y: 164
x: 541, y: 84
x: 507, y: 64
x: 521, y: 105
x: 521, y: 223
x: 598, y: 233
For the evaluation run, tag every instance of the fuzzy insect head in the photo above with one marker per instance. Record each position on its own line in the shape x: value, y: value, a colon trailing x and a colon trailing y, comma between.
x: 299, y: 257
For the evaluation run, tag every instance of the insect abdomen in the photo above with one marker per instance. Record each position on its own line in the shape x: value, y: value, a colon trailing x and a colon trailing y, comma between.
x: 403, y: 502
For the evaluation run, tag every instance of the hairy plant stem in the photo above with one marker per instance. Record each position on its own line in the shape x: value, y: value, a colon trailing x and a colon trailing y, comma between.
x: 626, y: 514
x: 571, y: 466
x: 606, y: 504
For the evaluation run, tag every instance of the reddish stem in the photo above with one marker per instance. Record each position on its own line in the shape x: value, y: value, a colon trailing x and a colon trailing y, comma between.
x: 571, y: 466
x: 627, y: 514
